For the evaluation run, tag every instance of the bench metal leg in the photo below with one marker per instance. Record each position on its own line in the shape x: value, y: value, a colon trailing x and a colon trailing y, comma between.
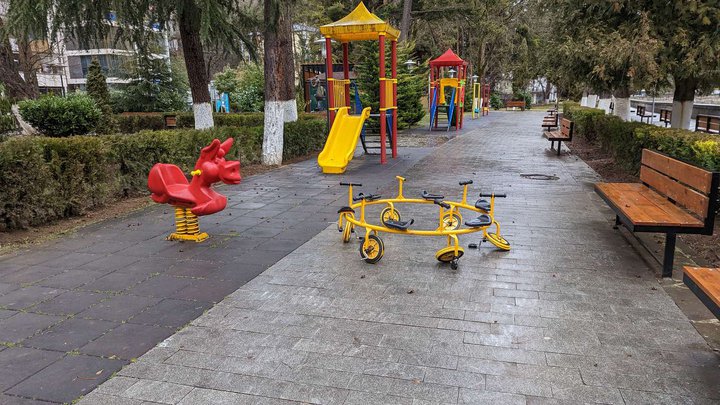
x: 669, y: 256
x: 559, y: 147
x: 617, y: 222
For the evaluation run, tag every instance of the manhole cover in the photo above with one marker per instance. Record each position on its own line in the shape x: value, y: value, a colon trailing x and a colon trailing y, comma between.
x: 538, y: 176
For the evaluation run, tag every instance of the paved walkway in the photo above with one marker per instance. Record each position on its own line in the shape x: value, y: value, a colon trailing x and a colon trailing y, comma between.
x: 570, y: 315
x: 74, y: 311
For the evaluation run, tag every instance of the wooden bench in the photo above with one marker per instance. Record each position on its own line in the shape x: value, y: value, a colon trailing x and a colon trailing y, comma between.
x: 674, y: 197
x: 705, y: 283
x: 564, y: 134
x: 707, y: 123
x: 640, y: 112
x: 666, y: 116
x: 550, y: 121
x: 515, y: 103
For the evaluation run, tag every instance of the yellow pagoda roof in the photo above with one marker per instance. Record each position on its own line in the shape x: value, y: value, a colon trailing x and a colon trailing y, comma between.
x: 359, y: 25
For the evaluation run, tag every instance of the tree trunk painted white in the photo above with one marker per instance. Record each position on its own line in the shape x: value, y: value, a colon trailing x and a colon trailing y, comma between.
x: 681, y: 114
x: 290, y: 113
x: 604, y: 104
x: 592, y: 100
x: 272, y: 150
x: 203, y: 115
x: 622, y: 108
x: 26, y: 128
x: 583, y: 101
x: 683, y: 100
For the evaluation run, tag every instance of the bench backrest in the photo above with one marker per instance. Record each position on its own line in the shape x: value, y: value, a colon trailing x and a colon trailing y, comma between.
x: 516, y: 103
x: 566, y: 127
x: 640, y: 110
x: 665, y: 115
x: 707, y: 123
x: 689, y: 186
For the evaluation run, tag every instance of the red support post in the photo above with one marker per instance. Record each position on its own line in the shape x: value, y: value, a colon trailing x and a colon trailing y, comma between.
x: 393, y: 64
x: 346, y: 73
x: 329, y: 77
x: 383, y: 123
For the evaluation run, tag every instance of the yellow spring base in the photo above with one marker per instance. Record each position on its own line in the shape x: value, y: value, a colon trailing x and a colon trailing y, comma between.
x: 198, y: 237
x: 187, y: 227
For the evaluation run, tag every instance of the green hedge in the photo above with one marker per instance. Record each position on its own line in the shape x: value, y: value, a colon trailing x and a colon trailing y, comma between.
x: 625, y: 140
x: 7, y: 123
x: 51, y: 178
x: 129, y: 124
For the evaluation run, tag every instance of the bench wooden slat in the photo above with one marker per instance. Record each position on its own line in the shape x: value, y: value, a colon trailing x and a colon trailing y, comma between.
x: 707, y: 281
x: 645, y: 207
x: 693, y: 176
x: 685, y: 196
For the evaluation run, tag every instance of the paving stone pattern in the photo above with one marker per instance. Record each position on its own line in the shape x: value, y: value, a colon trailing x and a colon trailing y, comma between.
x: 74, y: 311
x: 571, y: 315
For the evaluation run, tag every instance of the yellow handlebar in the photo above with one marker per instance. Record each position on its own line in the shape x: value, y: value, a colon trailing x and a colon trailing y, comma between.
x: 196, y: 172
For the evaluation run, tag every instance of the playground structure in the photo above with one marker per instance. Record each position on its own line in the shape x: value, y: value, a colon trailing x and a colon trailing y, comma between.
x: 169, y: 185
x: 441, y: 77
x: 450, y: 220
x: 481, y: 100
x: 345, y: 129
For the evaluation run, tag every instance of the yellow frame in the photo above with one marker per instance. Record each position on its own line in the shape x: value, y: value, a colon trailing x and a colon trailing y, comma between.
x: 451, y: 234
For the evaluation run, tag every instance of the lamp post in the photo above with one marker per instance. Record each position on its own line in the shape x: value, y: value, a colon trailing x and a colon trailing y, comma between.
x: 452, y: 72
x: 410, y: 64
x: 474, y: 78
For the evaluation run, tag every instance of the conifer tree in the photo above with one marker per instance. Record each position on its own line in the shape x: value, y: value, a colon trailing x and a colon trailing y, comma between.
x: 97, y: 89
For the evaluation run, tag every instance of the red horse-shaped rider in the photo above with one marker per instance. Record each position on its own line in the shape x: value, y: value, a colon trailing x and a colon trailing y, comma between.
x: 169, y: 185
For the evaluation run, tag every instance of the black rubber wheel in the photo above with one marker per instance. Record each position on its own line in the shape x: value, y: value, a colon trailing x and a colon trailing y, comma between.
x: 372, y: 249
x: 389, y: 214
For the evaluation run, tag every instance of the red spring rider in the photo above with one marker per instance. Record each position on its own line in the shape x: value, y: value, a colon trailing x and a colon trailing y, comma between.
x: 169, y: 185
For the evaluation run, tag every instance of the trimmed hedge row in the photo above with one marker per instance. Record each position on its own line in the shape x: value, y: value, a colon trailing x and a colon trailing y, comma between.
x: 129, y: 124
x: 625, y: 140
x: 51, y: 178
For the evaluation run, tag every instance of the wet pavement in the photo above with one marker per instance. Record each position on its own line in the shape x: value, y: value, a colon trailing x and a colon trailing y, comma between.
x: 571, y: 314
x: 75, y: 310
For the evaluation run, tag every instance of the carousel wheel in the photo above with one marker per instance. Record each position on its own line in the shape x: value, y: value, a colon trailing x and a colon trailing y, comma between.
x: 389, y: 214
x: 372, y: 249
x: 498, y: 241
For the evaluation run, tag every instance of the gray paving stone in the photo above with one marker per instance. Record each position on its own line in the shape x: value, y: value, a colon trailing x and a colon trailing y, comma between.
x: 69, y: 303
x: 27, y: 296
x: 67, y: 379
x: 127, y: 341
x: 157, y: 391
x: 19, y: 363
x: 22, y: 325
x: 118, y: 308
x: 468, y: 396
x: 70, y: 334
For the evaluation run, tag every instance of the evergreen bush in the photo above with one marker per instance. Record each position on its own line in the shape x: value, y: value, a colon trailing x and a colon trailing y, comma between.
x: 55, y: 116
x: 98, y: 90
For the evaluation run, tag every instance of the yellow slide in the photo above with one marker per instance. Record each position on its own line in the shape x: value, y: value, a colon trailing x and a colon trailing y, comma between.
x: 342, y: 141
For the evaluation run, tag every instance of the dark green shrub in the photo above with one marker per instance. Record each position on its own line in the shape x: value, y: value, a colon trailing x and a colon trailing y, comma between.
x: 131, y: 123
x: 5, y: 106
x: 525, y: 96
x: 496, y: 102
x: 617, y: 137
x: 7, y: 123
x: 583, y: 118
x: 302, y: 137
x: 57, y: 116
